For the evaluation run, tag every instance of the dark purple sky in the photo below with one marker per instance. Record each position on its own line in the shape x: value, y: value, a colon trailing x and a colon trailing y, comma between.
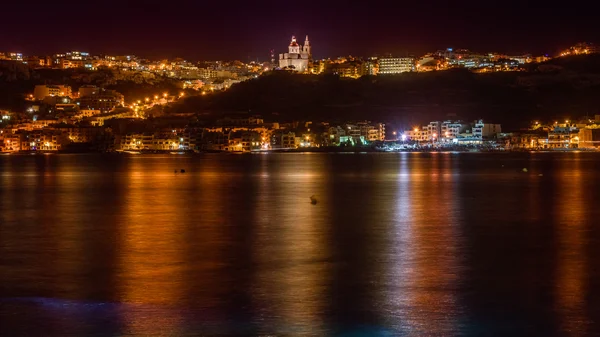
x: 208, y: 30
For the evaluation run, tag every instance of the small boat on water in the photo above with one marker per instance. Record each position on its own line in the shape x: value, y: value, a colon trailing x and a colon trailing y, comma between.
x: 180, y: 152
x: 132, y: 152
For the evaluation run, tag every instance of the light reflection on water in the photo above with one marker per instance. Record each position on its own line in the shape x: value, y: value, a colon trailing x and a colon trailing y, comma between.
x: 398, y: 244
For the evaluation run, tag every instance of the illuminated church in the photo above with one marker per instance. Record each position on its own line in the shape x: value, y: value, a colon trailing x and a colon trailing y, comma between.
x: 298, y: 56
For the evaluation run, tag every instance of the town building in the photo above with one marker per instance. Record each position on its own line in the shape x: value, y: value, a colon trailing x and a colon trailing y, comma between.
x: 453, y: 129
x: 9, y: 142
x: 352, y: 69
x: 88, y: 90
x: 563, y: 136
x: 298, y: 57
x: 372, y: 132
x: 416, y: 135
x: 103, y: 100
x: 284, y: 140
x: 42, y: 91
x: 395, y: 65
x: 43, y: 140
x: 11, y: 56
x: 434, y: 130
x: 533, y: 139
x: 483, y: 130
x: 589, y: 138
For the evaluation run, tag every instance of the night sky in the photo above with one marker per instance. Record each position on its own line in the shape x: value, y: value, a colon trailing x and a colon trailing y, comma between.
x: 199, y: 30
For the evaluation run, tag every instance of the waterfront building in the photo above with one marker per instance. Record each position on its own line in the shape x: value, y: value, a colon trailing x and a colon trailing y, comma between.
x: 9, y: 142
x: 284, y: 140
x: 244, y: 141
x: 212, y: 140
x: 563, y: 136
x: 483, y: 130
x: 589, y: 138
x: 43, y: 140
x: 416, y: 134
x: 333, y: 134
x: 372, y: 132
x: 451, y: 130
x: 298, y: 57
x: 535, y: 139
x: 395, y: 65
x: 433, y: 129
x: 82, y: 134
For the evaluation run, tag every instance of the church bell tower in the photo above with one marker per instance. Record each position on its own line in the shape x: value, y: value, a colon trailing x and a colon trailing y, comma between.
x: 307, y: 47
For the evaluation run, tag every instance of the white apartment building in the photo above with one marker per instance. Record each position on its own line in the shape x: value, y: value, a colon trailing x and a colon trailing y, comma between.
x: 483, y: 130
x: 395, y: 65
x: 417, y: 135
x: 452, y: 129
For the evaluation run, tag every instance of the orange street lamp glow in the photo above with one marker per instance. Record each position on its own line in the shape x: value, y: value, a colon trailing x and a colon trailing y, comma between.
x: 416, y: 129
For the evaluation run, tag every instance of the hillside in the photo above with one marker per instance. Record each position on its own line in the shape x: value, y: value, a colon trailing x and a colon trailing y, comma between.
x: 561, y: 88
x: 565, y: 87
x: 17, y: 80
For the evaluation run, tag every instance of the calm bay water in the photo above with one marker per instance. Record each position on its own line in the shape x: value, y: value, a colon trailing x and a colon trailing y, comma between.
x: 404, y: 244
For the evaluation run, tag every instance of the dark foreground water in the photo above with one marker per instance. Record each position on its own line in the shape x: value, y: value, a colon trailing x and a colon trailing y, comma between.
x: 397, y: 245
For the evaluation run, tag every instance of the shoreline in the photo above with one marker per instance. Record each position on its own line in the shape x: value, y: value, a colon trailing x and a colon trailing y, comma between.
x: 315, y: 150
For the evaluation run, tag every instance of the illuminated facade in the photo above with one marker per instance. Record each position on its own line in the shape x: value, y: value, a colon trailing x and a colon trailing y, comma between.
x: 11, y: 56
x: 581, y: 48
x: 297, y: 57
x: 589, y: 138
x: 103, y: 100
x: 42, y: 91
x: 483, y: 130
x: 395, y: 65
